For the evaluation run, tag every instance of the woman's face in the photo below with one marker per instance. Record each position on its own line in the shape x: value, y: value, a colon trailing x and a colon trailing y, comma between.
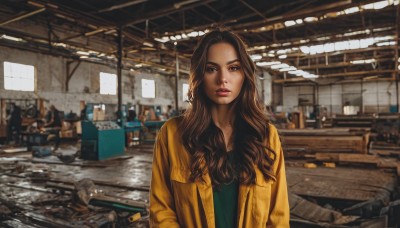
x: 223, y: 77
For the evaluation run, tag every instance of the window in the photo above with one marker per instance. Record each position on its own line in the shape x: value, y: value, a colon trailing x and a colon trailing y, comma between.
x: 351, y: 103
x: 108, y: 83
x: 185, y: 90
x: 148, y: 88
x: 19, y: 77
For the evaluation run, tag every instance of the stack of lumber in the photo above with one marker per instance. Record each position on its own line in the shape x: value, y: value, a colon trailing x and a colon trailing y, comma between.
x: 299, y: 142
x: 353, y: 120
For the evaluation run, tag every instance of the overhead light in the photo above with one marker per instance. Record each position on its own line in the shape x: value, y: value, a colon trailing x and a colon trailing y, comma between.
x: 310, y: 19
x: 282, y: 56
x: 82, y: 53
x: 376, y: 5
x: 278, y: 66
x: 310, y: 76
x: 193, y: 34
x: 180, y: 4
x: 59, y: 44
x: 148, y: 44
x: 363, y: 61
x: 255, y: 57
x: 352, y: 10
x: 13, y: 38
x: 296, y: 72
x: 267, y: 63
x: 162, y: 40
x: 290, y: 23
x: 291, y: 68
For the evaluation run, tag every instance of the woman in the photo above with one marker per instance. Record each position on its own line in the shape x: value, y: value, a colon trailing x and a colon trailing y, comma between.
x: 221, y: 163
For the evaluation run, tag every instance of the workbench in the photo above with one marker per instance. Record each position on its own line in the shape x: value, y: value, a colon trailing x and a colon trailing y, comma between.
x: 34, y: 138
x: 147, y: 131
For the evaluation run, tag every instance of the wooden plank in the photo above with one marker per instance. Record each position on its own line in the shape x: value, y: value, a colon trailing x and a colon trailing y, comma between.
x: 341, y: 183
x: 16, y: 150
x: 310, y: 211
x: 358, y: 159
x: 376, y: 222
x: 352, y: 158
x: 324, y: 131
x: 333, y: 139
x: 314, y: 143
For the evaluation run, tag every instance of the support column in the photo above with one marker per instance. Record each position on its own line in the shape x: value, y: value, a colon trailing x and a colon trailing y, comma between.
x: 176, y: 83
x: 119, y: 71
x: 396, y: 61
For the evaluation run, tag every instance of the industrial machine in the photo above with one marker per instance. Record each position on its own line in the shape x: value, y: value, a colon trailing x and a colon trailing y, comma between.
x: 102, y: 140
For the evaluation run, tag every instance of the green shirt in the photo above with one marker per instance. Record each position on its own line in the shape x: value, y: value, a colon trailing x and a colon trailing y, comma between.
x: 225, y: 202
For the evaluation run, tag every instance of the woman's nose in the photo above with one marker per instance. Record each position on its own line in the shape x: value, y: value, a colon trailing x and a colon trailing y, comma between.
x: 222, y: 77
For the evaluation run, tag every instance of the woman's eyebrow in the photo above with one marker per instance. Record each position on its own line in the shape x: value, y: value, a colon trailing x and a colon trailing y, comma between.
x: 227, y: 63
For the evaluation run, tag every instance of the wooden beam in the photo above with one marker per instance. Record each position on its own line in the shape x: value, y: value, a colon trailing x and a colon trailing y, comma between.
x: 87, y: 34
x: 334, y: 65
x: 301, y: 80
x: 70, y: 73
x: 123, y: 5
x: 171, y: 68
x: 299, y: 14
x: 22, y: 16
x: 357, y: 73
x: 253, y: 9
x: 165, y: 11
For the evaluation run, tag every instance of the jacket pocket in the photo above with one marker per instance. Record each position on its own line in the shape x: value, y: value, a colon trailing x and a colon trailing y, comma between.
x: 180, y: 175
x: 184, y: 190
x: 261, y: 199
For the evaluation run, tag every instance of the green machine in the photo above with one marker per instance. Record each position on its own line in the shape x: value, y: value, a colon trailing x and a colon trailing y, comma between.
x: 102, y: 140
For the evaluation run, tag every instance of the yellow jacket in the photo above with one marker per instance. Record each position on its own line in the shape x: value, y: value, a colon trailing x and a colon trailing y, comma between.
x: 175, y: 201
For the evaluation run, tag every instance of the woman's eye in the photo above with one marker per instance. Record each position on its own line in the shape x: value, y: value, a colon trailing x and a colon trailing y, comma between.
x: 211, y: 69
x: 234, y: 68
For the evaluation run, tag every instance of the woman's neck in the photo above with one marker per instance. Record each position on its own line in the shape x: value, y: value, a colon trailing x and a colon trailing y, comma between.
x: 223, y: 116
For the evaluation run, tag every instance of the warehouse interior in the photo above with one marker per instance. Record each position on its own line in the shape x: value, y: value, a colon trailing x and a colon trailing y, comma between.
x: 327, y: 73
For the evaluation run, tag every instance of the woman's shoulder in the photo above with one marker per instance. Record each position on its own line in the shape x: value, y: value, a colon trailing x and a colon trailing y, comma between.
x: 273, y: 135
x: 171, y: 125
x: 272, y: 129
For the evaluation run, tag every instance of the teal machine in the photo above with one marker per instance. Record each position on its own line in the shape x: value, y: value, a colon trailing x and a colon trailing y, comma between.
x: 101, y: 139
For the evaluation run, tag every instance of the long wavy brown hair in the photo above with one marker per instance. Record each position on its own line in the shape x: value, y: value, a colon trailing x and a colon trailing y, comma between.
x: 205, y: 141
